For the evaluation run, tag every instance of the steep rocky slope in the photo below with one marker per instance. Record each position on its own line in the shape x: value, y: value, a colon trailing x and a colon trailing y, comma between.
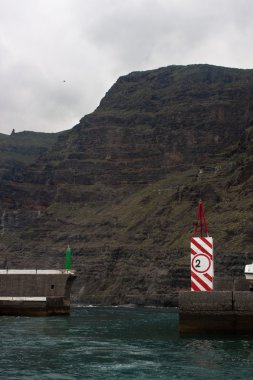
x: 122, y: 186
x: 20, y: 149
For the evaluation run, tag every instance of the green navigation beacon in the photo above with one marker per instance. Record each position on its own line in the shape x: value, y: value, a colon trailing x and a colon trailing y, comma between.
x: 68, y: 259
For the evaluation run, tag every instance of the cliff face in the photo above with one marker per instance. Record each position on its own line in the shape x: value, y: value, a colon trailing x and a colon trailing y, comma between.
x: 151, y: 122
x: 122, y: 186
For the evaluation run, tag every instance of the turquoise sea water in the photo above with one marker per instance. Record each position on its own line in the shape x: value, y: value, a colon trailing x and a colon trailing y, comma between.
x: 117, y: 343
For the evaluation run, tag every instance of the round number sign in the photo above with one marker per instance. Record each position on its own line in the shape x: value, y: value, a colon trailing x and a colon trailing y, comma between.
x: 201, y: 263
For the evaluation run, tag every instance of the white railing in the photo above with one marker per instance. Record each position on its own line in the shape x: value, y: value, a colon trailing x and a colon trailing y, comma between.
x: 36, y: 271
x: 23, y: 299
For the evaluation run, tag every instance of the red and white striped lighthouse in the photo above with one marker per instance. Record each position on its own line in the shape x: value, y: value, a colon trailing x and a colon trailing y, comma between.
x: 202, y: 269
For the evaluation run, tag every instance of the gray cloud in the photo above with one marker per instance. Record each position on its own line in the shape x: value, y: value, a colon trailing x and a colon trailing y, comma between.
x: 88, y: 44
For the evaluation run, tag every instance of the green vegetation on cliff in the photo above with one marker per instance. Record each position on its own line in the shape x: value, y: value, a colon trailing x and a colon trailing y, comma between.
x: 25, y: 146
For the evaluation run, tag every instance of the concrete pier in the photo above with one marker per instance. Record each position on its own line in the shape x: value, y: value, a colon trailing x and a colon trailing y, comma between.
x: 35, y: 292
x: 229, y: 308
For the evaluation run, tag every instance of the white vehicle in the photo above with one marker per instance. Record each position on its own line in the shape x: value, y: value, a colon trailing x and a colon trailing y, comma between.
x: 249, y: 273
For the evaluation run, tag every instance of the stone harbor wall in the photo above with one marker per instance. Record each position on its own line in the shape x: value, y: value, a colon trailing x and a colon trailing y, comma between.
x: 228, y: 309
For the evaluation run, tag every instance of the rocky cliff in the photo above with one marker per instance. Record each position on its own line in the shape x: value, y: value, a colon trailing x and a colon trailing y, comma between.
x: 122, y: 186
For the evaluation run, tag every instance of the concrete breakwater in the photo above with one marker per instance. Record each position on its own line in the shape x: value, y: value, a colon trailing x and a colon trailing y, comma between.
x: 229, y: 308
x: 35, y: 292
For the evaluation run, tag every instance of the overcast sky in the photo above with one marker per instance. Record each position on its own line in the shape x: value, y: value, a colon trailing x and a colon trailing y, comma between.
x: 58, y: 58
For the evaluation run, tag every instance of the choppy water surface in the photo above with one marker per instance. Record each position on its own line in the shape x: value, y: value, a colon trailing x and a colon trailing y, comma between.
x: 117, y: 343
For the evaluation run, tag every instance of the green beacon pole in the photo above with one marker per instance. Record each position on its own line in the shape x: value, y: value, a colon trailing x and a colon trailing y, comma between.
x: 68, y: 259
